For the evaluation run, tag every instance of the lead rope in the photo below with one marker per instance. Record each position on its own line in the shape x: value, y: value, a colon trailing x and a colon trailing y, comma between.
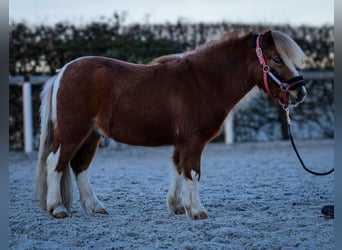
x: 287, y: 111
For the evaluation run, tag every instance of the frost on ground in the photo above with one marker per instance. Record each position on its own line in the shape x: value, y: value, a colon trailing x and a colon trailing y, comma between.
x: 257, y: 196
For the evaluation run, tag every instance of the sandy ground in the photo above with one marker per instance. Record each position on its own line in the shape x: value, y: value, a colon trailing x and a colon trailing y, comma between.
x: 257, y: 196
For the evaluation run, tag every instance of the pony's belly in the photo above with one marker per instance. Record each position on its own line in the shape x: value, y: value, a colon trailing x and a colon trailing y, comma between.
x: 139, y: 140
x: 142, y: 135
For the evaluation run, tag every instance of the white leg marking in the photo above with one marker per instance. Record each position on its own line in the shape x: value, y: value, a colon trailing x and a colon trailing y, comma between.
x: 54, y: 198
x: 89, y: 201
x: 174, y: 200
x: 191, y: 201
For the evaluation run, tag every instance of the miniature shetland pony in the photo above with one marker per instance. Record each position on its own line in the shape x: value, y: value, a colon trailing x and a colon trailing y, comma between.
x: 176, y: 100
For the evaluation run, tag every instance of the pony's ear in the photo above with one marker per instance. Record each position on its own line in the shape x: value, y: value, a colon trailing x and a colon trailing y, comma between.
x: 267, y: 40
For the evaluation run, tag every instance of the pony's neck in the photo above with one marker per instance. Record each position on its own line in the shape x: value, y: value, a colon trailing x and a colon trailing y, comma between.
x: 225, y: 65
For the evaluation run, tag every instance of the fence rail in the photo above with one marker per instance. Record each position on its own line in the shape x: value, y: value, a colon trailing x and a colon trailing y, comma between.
x: 318, y: 75
x: 36, y: 80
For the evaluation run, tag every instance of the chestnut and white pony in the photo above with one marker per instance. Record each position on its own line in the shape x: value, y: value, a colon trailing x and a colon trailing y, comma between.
x: 178, y: 100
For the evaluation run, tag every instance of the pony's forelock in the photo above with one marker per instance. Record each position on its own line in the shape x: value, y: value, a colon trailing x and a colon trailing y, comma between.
x: 290, y: 52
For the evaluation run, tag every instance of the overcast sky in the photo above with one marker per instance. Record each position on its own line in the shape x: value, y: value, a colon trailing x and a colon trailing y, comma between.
x: 294, y: 12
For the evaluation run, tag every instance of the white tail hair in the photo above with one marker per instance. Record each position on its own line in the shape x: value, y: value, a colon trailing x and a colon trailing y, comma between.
x: 45, y: 148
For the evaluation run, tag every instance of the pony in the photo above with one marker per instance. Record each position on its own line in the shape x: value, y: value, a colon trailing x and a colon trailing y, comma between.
x: 178, y: 100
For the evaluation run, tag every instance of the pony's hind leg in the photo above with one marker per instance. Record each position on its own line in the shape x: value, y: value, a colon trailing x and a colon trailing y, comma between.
x: 59, y: 190
x: 80, y: 163
x: 59, y: 186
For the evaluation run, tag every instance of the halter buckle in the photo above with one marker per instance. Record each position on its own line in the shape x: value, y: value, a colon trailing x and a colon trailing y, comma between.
x: 266, y: 68
x: 284, y: 86
x: 259, y: 52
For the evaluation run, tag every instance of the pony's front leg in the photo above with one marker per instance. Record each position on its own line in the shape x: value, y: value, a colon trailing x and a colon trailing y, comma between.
x: 174, y: 198
x: 183, y: 194
x: 191, y: 201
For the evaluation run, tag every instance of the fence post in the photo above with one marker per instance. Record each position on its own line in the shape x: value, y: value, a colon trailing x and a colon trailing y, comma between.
x: 229, y: 128
x: 28, y: 124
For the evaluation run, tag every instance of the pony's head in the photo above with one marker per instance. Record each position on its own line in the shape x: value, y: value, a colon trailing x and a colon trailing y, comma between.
x: 280, y: 57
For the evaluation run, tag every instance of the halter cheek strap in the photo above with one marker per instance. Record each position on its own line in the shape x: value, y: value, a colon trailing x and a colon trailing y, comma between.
x: 268, y: 72
x: 265, y: 67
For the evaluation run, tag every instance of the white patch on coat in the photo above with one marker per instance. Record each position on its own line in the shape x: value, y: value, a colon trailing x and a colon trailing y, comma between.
x: 180, y: 55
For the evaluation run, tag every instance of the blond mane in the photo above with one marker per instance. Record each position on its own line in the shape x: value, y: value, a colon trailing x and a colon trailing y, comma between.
x: 292, y: 55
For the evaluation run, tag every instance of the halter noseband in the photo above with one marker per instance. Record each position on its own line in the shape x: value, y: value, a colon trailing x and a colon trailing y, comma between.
x: 284, y: 85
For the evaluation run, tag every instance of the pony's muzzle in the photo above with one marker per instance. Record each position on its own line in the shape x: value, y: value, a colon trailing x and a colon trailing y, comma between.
x: 302, y: 93
x: 297, y: 96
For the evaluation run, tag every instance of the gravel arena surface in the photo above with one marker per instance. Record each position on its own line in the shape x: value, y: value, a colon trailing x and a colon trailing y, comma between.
x: 257, y: 196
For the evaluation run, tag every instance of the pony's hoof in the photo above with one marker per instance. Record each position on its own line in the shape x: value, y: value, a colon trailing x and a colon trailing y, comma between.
x: 61, y: 215
x: 93, y: 206
x: 180, y: 210
x: 101, y: 211
x: 59, y: 212
x: 200, y: 216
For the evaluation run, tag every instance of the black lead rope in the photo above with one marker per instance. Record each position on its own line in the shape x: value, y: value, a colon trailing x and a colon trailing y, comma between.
x: 295, y: 148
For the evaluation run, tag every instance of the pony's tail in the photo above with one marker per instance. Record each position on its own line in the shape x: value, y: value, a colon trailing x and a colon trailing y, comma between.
x: 45, y: 148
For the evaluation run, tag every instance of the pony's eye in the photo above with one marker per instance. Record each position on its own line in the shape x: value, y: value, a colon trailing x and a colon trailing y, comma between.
x: 278, y: 61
